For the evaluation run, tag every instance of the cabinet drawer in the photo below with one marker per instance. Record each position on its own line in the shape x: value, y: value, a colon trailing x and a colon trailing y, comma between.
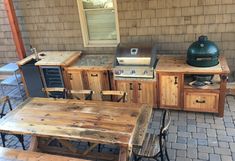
x: 201, y: 102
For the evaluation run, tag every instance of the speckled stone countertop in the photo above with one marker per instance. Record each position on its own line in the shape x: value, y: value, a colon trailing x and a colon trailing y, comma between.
x: 93, y: 62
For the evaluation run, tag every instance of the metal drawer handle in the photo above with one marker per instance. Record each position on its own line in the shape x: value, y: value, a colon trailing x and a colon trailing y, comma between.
x: 94, y: 75
x: 131, y: 86
x: 139, y: 86
x: 176, y: 80
x: 203, y: 101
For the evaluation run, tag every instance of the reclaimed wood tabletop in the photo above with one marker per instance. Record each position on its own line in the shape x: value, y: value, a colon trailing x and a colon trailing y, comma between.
x: 102, y: 122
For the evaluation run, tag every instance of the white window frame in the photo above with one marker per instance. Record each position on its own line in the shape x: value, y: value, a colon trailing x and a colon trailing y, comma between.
x: 85, y: 34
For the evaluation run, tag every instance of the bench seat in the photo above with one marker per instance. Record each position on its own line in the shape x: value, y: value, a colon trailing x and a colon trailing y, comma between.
x: 20, y: 155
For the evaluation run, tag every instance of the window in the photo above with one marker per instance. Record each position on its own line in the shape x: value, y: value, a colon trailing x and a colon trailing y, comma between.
x: 99, y: 23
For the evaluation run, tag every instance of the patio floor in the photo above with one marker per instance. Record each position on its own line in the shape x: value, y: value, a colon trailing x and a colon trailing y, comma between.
x: 192, y: 136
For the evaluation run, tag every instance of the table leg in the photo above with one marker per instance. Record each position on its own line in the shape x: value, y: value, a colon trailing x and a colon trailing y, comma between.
x: 33, y: 144
x: 123, y: 154
x: 18, y: 85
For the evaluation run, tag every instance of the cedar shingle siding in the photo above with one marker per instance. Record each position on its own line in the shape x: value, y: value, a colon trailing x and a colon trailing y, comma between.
x: 172, y: 24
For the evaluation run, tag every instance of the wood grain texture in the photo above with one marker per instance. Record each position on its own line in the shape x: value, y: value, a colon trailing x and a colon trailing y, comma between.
x: 128, y: 87
x: 147, y: 92
x: 75, y: 80
x: 15, y: 30
x: 60, y: 58
x: 169, y: 90
x: 18, y: 155
x: 224, y: 65
x: 178, y: 64
x: 93, y: 121
x: 142, y: 125
x: 201, y: 101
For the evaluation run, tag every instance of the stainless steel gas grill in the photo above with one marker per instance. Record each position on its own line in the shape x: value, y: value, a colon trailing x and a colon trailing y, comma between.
x: 135, y: 61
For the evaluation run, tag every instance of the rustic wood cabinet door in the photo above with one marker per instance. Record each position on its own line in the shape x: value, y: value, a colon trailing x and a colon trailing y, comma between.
x: 201, y: 101
x: 97, y: 81
x: 146, y: 92
x: 169, y: 90
x: 76, y: 80
x: 128, y: 87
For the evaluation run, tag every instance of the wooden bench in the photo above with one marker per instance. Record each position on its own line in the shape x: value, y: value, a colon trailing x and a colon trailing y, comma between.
x: 20, y: 155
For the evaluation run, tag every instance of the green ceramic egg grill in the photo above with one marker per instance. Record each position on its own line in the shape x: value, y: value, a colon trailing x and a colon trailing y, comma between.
x: 203, y: 53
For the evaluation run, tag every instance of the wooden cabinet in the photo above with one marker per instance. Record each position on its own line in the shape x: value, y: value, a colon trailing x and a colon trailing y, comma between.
x: 128, y: 87
x: 146, y: 92
x: 75, y: 80
x: 92, y: 80
x: 138, y: 92
x: 201, y: 101
x: 97, y: 81
x: 169, y: 90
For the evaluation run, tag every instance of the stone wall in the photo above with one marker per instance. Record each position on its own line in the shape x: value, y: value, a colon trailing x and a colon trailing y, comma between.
x: 172, y: 24
x: 7, y: 47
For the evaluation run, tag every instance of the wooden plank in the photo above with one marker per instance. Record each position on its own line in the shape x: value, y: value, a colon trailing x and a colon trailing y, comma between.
x: 15, y: 28
x: 33, y: 144
x: 170, y: 89
x: 174, y: 63
x: 89, y: 149
x: 141, y: 125
x: 198, y: 101
x: 123, y: 154
x: 224, y: 65
x: 222, y: 94
x: 19, y: 155
x: 93, y: 121
x: 147, y: 92
x: 59, y: 58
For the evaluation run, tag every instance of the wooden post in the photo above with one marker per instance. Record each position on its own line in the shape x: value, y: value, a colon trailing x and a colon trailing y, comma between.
x: 33, y: 144
x: 123, y: 154
x: 223, y: 90
x: 15, y: 28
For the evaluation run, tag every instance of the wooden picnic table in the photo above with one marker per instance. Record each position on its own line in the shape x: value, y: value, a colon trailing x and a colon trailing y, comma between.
x: 96, y: 122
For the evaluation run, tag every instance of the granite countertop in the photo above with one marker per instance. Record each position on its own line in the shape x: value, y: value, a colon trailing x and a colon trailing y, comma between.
x: 93, y: 61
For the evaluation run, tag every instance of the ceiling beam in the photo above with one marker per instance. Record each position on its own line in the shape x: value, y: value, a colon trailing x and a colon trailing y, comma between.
x: 15, y: 28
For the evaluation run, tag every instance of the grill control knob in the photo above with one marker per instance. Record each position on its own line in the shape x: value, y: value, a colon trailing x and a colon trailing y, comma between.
x: 117, y: 72
x: 133, y: 72
x: 145, y: 72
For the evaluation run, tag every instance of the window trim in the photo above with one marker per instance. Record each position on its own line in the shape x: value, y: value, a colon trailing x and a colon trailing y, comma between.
x: 84, y: 29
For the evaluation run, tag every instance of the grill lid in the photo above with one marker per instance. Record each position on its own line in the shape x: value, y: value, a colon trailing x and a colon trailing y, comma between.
x: 203, y: 53
x: 136, y: 54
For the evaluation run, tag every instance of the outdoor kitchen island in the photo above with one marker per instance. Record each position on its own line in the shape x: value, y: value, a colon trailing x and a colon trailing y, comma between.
x: 178, y: 90
x: 170, y: 89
